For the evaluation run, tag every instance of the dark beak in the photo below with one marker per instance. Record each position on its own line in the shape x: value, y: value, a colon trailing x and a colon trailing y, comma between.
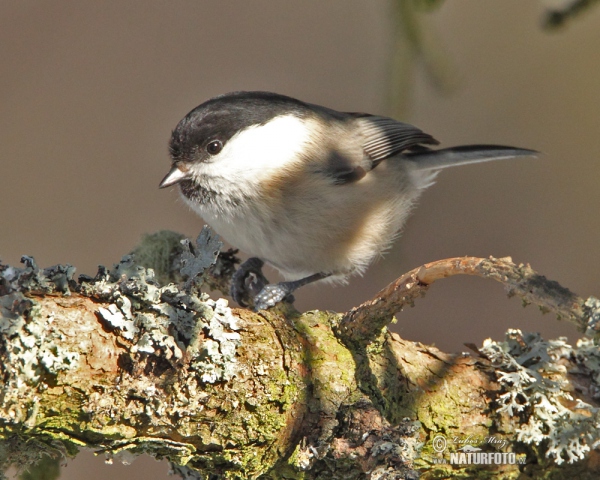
x: 174, y: 176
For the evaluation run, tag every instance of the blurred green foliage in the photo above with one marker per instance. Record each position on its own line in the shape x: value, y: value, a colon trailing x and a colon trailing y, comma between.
x: 558, y: 17
x: 48, y: 468
x: 415, y: 45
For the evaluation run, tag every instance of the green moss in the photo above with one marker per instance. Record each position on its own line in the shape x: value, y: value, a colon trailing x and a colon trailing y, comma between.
x: 159, y: 252
x: 333, y: 369
x: 292, y: 468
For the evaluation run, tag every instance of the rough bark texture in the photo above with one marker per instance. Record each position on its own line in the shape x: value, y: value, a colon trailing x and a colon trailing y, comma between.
x: 122, y: 365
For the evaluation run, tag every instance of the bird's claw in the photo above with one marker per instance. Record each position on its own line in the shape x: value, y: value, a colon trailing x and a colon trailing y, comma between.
x: 249, y: 285
x: 247, y: 281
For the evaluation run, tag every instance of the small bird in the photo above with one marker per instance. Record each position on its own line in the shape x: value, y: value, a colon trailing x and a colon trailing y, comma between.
x: 316, y: 193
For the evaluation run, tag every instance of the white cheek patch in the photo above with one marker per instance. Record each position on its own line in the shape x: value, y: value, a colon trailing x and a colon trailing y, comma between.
x: 254, y: 153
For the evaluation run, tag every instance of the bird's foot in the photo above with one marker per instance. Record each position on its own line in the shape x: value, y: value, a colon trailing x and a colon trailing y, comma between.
x: 249, y: 286
x: 272, y: 294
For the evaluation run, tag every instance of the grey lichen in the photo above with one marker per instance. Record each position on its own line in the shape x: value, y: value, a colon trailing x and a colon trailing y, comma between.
x: 534, y: 374
x: 592, y: 306
x: 160, y: 328
x: 216, y: 356
x: 55, y: 279
x: 587, y: 364
x: 165, y: 321
x: 196, y: 261
x: 117, y: 319
x: 33, y: 348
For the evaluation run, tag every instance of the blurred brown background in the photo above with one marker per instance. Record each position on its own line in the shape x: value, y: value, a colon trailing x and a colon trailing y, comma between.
x: 91, y: 90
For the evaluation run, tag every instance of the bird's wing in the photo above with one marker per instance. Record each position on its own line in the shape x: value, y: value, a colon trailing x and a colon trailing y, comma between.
x: 376, y: 138
x: 385, y: 137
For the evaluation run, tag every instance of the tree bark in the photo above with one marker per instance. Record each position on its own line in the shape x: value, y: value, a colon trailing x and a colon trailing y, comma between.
x: 125, y: 366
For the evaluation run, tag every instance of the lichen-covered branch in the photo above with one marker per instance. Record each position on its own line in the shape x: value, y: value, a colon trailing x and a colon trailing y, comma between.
x: 126, y: 365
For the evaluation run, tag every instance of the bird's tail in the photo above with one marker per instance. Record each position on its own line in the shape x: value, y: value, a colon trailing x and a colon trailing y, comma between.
x: 427, y: 159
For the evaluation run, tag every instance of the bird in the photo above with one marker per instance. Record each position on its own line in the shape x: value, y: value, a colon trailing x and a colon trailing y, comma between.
x: 317, y: 193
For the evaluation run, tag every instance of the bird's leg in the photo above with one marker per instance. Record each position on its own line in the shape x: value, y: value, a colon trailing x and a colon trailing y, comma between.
x: 274, y: 293
x: 248, y: 281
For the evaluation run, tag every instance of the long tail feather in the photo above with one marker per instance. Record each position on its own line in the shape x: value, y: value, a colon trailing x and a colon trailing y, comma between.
x: 451, y: 157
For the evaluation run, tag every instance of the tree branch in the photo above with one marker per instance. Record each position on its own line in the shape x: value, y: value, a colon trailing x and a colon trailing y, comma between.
x: 124, y: 365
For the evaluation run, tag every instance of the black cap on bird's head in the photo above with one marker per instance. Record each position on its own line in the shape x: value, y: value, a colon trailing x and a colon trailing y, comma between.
x: 204, y: 131
x: 222, y: 117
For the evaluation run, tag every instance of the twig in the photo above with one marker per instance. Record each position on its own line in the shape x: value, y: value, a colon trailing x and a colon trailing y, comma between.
x: 363, y: 323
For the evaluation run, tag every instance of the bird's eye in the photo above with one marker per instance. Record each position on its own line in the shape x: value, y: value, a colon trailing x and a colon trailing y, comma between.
x: 214, y: 147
